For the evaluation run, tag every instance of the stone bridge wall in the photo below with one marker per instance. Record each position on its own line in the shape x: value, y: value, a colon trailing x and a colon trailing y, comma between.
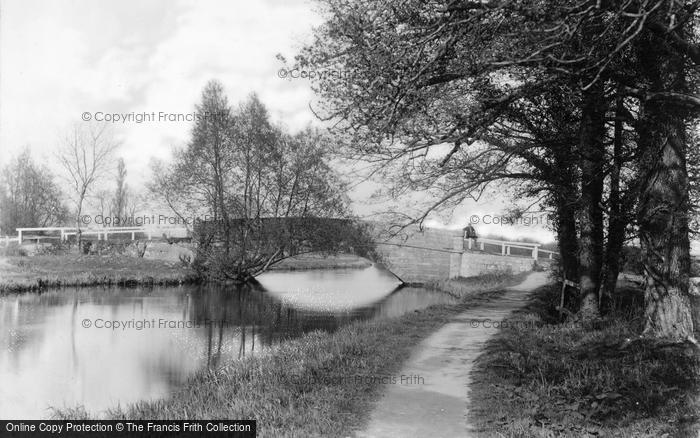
x: 474, y: 264
x: 420, y: 256
x: 416, y: 256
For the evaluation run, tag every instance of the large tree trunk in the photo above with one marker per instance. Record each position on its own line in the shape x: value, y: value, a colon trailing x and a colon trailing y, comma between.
x: 591, y: 153
x: 664, y: 201
x: 617, y: 218
x: 663, y: 224
x: 568, y: 243
x: 566, y: 233
x: 565, y: 196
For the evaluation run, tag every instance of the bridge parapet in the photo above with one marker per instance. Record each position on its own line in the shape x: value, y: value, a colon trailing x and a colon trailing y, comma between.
x: 431, y: 254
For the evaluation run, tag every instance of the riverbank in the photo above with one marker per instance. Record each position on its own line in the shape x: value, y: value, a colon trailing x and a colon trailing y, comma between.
x: 33, y: 273
x: 24, y: 274
x: 322, y: 384
x: 541, y: 378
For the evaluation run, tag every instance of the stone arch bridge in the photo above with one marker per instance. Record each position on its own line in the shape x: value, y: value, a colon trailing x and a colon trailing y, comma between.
x: 412, y: 254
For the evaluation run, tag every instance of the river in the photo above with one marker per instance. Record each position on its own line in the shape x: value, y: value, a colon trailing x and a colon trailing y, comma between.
x: 99, y: 347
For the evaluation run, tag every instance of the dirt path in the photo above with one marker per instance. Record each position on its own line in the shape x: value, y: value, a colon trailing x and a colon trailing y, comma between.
x: 434, y: 398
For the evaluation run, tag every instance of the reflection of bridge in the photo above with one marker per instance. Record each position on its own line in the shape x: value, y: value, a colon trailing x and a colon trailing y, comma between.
x: 413, y: 255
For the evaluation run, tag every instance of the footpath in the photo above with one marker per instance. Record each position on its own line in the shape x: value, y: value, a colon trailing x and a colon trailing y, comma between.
x: 433, y: 402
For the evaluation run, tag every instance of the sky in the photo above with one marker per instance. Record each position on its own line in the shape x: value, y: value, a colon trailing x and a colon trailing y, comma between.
x: 63, y: 61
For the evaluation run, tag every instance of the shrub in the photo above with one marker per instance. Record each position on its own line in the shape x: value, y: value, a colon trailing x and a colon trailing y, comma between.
x: 54, y: 248
x: 13, y: 250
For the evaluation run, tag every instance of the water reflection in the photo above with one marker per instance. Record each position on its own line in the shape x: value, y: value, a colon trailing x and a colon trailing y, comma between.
x: 50, y: 357
x: 330, y: 290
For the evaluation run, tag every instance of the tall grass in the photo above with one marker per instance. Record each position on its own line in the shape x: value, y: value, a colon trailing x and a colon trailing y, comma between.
x: 540, y: 377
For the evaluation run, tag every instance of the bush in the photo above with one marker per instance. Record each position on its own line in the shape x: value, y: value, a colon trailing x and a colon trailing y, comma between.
x: 13, y: 250
x: 54, y: 248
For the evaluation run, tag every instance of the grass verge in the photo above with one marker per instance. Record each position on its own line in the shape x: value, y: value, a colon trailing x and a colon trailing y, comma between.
x: 541, y: 378
x: 22, y: 274
x: 465, y: 287
x: 322, y: 384
x: 25, y: 274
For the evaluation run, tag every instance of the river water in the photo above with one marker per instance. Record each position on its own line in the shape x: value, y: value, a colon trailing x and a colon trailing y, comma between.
x: 99, y: 347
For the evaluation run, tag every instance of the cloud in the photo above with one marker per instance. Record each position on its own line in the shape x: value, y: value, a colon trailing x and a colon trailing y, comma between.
x: 59, y: 60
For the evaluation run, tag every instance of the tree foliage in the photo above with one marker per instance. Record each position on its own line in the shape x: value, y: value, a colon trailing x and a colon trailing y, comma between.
x: 259, y: 191
x: 86, y: 157
x: 29, y: 196
x: 121, y: 197
x: 560, y: 96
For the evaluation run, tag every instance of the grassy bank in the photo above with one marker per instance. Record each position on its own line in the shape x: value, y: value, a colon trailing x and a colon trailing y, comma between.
x: 322, y: 384
x: 24, y: 274
x: 20, y: 274
x: 465, y: 287
x: 541, y: 378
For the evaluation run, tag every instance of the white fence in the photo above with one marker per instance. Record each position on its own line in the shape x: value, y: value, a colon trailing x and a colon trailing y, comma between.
x: 506, y: 246
x: 63, y: 233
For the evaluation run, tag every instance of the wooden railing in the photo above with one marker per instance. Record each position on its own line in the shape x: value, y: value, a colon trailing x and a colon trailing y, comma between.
x: 63, y: 233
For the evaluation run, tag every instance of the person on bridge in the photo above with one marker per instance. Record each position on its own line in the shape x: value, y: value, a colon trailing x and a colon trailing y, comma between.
x: 469, y: 235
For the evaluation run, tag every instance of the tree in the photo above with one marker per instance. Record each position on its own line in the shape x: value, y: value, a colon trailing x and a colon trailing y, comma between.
x: 543, y: 131
x: 86, y: 157
x: 664, y: 212
x: 264, y: 194
x: 427, y: 74
x: 194, y: 185
x: 694, y: 176
x: 591, y: 152
x: 29, y: 197
x: 120, y: 200
x: 102, y: 203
